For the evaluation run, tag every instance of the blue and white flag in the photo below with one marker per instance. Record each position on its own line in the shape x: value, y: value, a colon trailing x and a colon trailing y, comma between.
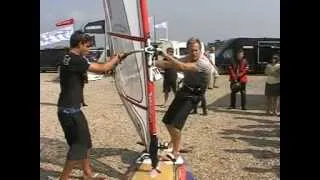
x: 61, y: 34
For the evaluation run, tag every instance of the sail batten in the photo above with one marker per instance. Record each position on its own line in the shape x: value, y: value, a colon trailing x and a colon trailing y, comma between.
x: 133, y: 102
x: 125, y: 36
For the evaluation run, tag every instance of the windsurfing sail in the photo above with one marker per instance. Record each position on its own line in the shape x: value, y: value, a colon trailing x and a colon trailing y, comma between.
x: 127, y: 30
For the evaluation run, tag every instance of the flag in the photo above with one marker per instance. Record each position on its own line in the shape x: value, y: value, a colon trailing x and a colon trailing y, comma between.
x: 151, y: 22
x: 61, y: 34
x: 163, y: 25
x: 151, y: 27
x: 150, y: 19
x: 65, y: 22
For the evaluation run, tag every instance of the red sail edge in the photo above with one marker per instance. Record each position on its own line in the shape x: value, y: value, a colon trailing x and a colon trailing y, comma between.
x: 153, y: 146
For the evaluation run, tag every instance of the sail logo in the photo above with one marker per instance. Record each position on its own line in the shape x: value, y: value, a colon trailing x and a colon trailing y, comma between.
x: 94, y: 27
x: 156, y: 73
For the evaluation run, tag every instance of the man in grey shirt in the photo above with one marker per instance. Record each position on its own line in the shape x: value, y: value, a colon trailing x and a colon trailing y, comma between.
x: 196, y: 68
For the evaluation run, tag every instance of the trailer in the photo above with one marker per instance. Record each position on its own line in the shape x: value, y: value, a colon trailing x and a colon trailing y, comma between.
x: 50, y: 58
x: 257, y: 51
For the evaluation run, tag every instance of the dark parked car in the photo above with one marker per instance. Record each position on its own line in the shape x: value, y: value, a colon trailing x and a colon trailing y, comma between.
x: 49, y: 59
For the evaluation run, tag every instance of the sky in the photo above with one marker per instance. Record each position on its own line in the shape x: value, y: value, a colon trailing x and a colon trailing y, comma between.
x: 208, y: 20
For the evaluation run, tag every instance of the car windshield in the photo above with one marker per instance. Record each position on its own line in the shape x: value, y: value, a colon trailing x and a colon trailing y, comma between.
x: 183, y: 51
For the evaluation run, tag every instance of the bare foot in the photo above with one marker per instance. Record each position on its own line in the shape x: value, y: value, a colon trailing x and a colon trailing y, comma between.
x: 170, y: 157
x: 154, y: 172
x: 95, y: 176
x: 175, y: 158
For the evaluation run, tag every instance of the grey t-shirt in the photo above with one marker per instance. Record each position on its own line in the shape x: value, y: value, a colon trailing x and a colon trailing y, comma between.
x: 197, y: 79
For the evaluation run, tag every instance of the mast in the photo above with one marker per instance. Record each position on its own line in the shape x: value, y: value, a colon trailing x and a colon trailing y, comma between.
x: 150, y: 86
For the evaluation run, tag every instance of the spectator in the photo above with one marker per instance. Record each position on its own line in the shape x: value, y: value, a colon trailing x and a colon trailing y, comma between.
x: 214, y: 74
x: 238, y: 70
x: 169, y: 80
x: 272, y: 89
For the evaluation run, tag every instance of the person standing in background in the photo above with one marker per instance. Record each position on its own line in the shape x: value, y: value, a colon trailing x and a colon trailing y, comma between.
x: 272, y: 89
x: 238, y: 70
x: 169, y: 79
x: 214, y: 74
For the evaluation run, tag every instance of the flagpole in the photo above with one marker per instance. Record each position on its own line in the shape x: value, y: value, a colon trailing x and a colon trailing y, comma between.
x: 167, y: 32
x: 154, y: 29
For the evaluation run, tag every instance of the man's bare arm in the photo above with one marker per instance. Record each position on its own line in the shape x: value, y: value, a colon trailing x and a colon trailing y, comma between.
x: 181, y: 66
x: 101, y: 68
x: 163, y: 64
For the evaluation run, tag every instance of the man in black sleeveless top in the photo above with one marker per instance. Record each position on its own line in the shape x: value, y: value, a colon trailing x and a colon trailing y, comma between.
x: 196, y: 68
x: 71, y: 118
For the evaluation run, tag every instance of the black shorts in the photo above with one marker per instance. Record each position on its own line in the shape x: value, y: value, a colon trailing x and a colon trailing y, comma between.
x: 76, y: 131
x: 180, y: 108
x: 272, y: 89
x: 168, y: 85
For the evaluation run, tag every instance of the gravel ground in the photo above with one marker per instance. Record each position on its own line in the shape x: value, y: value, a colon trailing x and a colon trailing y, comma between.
x: 227, y: 144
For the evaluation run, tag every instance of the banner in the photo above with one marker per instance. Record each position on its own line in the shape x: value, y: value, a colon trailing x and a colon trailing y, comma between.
x: 65, y: 22
x: 162, y: 30
x: 151, y: 28
x: 61, y: 34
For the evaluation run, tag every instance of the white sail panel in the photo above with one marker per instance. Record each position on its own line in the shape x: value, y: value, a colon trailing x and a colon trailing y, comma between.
x: 130, y: 75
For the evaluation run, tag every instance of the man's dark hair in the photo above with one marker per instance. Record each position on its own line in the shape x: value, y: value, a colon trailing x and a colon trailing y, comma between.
x: 276, y: 56
x: 79, y: 37
x: 240, y: 50
x: 235, y: 53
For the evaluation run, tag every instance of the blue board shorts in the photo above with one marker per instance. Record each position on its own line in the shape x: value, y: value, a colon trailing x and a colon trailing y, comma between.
x: 76, y: 131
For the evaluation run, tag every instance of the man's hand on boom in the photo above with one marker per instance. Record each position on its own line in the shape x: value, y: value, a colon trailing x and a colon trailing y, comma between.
x: 162, y: 63
x: 122, y: 56
x: 109, y: 65
x: 172, y: 62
